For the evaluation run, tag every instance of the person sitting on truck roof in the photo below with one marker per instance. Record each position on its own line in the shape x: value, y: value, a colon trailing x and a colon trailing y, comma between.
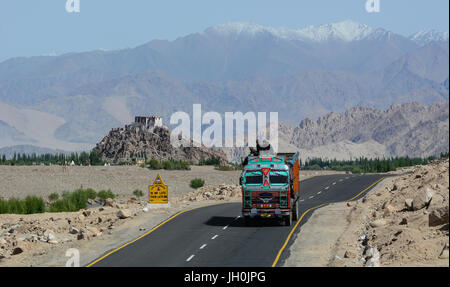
x: 255, y: 152
x: 259, y: 147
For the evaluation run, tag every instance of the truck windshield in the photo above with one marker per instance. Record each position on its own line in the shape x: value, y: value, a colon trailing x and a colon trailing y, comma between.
x: 253, y: 177
x: 278, y: 177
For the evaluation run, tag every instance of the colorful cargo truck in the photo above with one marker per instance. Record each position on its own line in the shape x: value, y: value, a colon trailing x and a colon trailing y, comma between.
x: 270, y: 187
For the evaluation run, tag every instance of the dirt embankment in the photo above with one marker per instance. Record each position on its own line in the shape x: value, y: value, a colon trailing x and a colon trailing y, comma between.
x: 403, y: 221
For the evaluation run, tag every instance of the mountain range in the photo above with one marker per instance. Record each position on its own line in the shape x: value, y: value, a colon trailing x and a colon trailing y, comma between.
x: 71, y: 101
x: 412, y: 130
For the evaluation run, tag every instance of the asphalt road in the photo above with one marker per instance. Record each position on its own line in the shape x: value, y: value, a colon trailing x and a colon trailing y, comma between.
x: 215, y: 236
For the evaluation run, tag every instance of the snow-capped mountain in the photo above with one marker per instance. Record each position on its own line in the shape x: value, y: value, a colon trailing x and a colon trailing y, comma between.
x: 426, y: 36
x: 345, y: 31
x: 78, y: 97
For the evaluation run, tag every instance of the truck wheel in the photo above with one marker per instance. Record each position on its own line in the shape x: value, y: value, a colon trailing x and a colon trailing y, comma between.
x: 288, y: 219
x: 295, y: 211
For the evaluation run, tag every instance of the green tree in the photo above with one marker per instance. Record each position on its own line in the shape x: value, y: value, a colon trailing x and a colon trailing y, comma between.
x: 84, y: 158
x: 95, y: 158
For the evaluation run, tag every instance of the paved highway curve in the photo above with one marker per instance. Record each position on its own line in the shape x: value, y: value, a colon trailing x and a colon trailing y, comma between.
x: 215, y: 236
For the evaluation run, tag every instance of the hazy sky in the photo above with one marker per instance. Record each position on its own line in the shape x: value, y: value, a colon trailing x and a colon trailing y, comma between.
x: 30, y: 27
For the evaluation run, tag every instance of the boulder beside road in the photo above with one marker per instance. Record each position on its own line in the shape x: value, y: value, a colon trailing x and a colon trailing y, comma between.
x: 123, y: 213
x: 422, y: 199
x: 438, y: 216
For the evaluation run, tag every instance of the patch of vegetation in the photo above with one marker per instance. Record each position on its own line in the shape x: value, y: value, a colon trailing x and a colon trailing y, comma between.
x: 104, y: 194
x: 90, y: 193
x: 230, y: 167
x: 154, y: 164
x: 168, y: 164
x: 138, y: 193
x: 83, y: 158
x: 312, y: 167
x: 365, y: 165
x: 65, y: 205
x: 210, y: 161
x: 53, y: 196
x: 73, y: 201
x: 197, y: 183
x: 34, y: 204
x: 68, y: 202
x: 29, y: 205
x: 95, y: 158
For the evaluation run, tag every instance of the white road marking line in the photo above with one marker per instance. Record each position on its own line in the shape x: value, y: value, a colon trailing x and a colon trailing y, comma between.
x: 190, y: 257
x: 214, y: 237
x: 312, y: 196
x: 327, y: 187
x: 334, y: 183
x: 341, y: 179
x: 319, y: 192
x: 301, y: 200
x: 346, y: 177
x: 225, y: 227
x: 203, y: 246
x: 237, y: 217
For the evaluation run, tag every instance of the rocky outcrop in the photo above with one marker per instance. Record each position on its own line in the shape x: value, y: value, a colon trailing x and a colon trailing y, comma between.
x: 438, y: 216
x: 403, y: 130
x: 125, y: 144
x: 415, y: 229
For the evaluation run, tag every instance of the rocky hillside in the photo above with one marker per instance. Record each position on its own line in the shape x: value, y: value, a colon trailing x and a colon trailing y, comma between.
x: 124, y: 144
x: 404, y: 222
x: 402, y: 130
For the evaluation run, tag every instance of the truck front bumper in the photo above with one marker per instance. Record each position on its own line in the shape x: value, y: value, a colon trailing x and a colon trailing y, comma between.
x: 267, y: 213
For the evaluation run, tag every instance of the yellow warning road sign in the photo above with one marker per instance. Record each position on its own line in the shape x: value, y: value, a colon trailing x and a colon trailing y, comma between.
x: 158, y: 192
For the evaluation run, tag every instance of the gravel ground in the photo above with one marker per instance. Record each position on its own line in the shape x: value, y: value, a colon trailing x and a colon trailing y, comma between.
x: 20, y: 181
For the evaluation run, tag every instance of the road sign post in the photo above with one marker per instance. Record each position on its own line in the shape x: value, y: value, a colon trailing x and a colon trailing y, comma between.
x: 158, y: 192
